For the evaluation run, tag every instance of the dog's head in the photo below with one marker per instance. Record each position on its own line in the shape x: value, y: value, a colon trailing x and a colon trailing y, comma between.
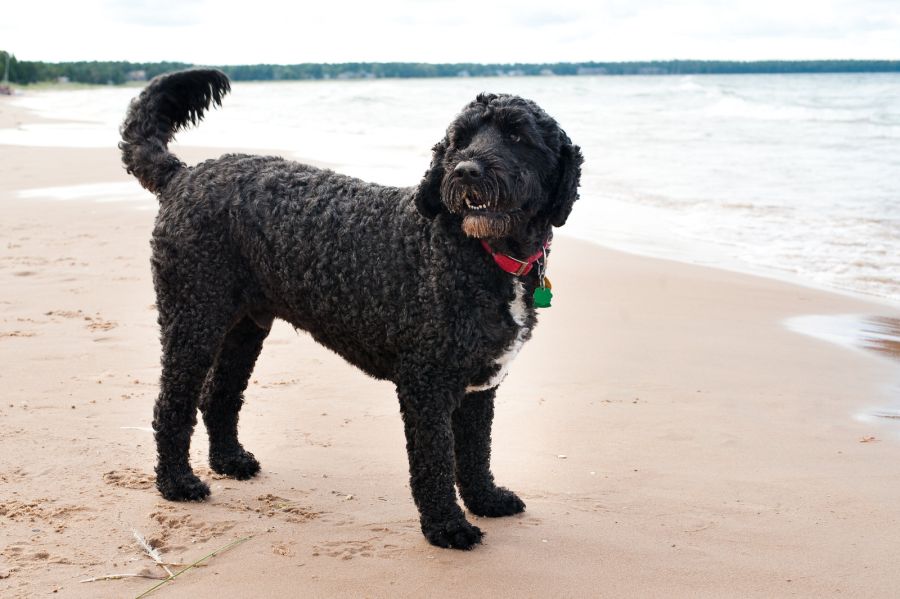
x: 503, y: 163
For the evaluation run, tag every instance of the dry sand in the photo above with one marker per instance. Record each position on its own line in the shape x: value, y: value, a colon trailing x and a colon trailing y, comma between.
x: 670, y: 437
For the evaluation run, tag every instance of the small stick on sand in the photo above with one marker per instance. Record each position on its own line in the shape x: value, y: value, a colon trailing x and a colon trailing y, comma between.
x: 195, y: 564
x: 121, y: 576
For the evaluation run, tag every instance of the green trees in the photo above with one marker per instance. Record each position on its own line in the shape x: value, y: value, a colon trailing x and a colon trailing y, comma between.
x: 106, y: 72
x: 115, y: 72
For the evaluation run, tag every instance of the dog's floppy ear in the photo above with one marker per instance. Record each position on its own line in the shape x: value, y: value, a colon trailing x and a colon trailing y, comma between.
x: 428, y: 195
x: 569, y: 172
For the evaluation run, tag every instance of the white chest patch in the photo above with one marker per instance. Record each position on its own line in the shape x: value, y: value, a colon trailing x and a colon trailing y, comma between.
x: 520, y: 316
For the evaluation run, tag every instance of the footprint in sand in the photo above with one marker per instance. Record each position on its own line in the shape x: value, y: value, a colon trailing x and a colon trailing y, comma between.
x: 528, y: 521
x: 96, y: 324
x: 65, y: 313
x: 176, y: 528
x: 129, y: 478
x: 284, y: 549
x: 17, y: 334
x: 347, y: 550
x: 273, y: 506
x: 14, y: 475
x: 44, y: 510
x: 27, y: 558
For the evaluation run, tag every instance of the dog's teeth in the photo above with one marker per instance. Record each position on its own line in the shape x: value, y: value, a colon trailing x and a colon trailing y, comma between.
x: 473, y: 206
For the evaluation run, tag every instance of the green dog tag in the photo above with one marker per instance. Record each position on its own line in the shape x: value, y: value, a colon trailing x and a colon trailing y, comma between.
x: 542, y: 297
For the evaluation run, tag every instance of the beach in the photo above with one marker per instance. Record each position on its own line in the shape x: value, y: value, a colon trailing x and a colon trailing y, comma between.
x: 670, y: 435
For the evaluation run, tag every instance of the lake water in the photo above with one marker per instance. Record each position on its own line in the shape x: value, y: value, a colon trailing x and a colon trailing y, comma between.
x: 792, y: 176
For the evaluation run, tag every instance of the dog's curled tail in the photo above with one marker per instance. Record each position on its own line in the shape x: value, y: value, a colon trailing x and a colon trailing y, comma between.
x: 168, y: 103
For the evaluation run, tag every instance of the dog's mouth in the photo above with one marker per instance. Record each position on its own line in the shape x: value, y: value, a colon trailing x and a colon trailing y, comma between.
x: 473, y: 201
x: 483, y: 220
x: 483, y: 210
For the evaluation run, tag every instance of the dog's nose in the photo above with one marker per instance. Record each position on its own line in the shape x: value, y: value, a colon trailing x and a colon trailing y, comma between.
x: 468, y: 170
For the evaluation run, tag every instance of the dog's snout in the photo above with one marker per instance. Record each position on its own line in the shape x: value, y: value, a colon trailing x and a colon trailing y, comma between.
x: 468, y: 171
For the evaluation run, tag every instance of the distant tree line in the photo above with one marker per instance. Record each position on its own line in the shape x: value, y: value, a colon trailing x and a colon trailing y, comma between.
x: 115, y: 72
x: 106, y: 72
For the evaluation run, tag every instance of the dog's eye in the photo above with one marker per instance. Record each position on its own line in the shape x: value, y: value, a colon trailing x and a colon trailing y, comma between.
x: 459, y: 141
x: 515, y: 138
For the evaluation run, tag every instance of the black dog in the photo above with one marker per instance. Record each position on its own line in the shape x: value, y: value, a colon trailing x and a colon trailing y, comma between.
x: 408, y: 284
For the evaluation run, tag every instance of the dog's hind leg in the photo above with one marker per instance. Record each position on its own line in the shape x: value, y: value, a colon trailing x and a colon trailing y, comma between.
x: 426, y: 413
x: 222, y: 397
x: 191, y: 336
x: 472, y: 444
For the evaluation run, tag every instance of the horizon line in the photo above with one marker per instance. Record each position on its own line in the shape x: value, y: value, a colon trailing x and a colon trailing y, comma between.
x: 481, y: 63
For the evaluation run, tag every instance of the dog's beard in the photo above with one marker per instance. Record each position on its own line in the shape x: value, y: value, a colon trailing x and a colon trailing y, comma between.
x: 485, y: 211
x: 489, y: 225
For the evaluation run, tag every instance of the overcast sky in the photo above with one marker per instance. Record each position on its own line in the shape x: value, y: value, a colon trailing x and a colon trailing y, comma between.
x: 254, y: 31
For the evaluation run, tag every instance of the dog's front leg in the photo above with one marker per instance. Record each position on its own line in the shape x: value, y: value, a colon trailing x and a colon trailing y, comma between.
x: 429, y: 441
x: 472, y: 439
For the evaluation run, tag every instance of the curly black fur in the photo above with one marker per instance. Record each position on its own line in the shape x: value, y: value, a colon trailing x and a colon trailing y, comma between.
x: 389, y: 278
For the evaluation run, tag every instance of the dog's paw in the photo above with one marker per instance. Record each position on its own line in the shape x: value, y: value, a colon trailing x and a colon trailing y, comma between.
x: 456, y: 534
x: 239, y: 464
x: 494, y: 503
x: 183, y: 487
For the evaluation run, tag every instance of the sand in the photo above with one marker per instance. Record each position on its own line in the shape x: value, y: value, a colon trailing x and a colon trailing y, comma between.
x: 671, y: 437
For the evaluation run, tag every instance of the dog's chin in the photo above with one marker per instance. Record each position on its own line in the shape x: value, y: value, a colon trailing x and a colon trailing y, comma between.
x: 487, y: 225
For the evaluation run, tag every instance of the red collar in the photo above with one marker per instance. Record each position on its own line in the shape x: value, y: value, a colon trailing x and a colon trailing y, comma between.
x: 515, y: 266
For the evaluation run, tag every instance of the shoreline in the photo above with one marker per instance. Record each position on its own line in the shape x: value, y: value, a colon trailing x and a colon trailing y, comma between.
x: 752, y: 270
x: 670, y: 436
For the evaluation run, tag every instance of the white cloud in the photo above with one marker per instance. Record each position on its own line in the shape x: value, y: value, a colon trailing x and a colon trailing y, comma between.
x: 235, y: 31
x: 155, y: 13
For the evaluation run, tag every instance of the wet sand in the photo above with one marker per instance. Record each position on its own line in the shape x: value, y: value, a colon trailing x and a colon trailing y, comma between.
x: 671, y: 437
x: 882, y: 334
